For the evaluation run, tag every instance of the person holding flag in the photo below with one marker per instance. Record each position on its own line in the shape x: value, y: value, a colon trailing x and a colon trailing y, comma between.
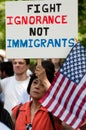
x: 32, y: 115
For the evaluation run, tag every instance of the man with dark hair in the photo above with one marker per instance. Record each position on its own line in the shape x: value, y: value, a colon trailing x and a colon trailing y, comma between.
x: 15, y: 86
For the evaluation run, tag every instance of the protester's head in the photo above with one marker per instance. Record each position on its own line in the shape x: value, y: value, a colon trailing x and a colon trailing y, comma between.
x: 6, y: 69
x: 35, y: 87
x: 49, y: 68
x: 20, y: 66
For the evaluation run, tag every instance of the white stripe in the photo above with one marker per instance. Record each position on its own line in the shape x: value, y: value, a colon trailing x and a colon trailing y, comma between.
x: 58, y: 95
x: 52, y: 90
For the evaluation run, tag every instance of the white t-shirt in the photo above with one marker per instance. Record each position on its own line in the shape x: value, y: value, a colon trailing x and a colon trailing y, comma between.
x: 13, y: 91
x: 3, y: 127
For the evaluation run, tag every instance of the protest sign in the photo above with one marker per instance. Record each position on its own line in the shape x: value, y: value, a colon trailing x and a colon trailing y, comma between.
x: 40, y: 29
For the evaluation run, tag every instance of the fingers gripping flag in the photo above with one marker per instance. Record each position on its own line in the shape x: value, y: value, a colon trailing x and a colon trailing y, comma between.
x: 66, y: 97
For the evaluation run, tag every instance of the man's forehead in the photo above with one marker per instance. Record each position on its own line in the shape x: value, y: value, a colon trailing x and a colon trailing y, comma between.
x: 19, y: 60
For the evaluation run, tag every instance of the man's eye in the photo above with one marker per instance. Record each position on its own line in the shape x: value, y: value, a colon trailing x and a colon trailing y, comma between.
x: 20, y: 63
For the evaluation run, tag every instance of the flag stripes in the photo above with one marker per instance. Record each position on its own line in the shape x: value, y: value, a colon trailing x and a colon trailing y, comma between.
x: 67, y: 102
x: 66, y: 97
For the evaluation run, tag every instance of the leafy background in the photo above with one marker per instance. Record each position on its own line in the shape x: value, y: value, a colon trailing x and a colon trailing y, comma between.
x: 81, y: 22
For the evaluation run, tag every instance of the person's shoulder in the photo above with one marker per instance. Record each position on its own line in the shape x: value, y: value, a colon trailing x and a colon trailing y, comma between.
x: 5, y: 81
x: 7, y: 78
x: 25, y: 106
x: 21, y: 106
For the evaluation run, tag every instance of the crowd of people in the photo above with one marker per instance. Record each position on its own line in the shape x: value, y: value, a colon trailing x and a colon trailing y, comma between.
x: 20, y: 92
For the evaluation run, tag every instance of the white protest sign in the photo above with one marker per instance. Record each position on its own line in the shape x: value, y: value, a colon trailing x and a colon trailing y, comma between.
x: 41, y: 29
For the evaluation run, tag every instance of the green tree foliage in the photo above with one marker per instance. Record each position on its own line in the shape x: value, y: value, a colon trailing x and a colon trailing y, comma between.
x: 81, y: 22
x: 2, y: 25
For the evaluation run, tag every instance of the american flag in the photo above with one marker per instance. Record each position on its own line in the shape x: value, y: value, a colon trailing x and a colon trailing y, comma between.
x: 66, y: 97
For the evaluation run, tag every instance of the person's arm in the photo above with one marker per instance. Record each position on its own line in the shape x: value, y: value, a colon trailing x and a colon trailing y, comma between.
x: 41, y: 74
